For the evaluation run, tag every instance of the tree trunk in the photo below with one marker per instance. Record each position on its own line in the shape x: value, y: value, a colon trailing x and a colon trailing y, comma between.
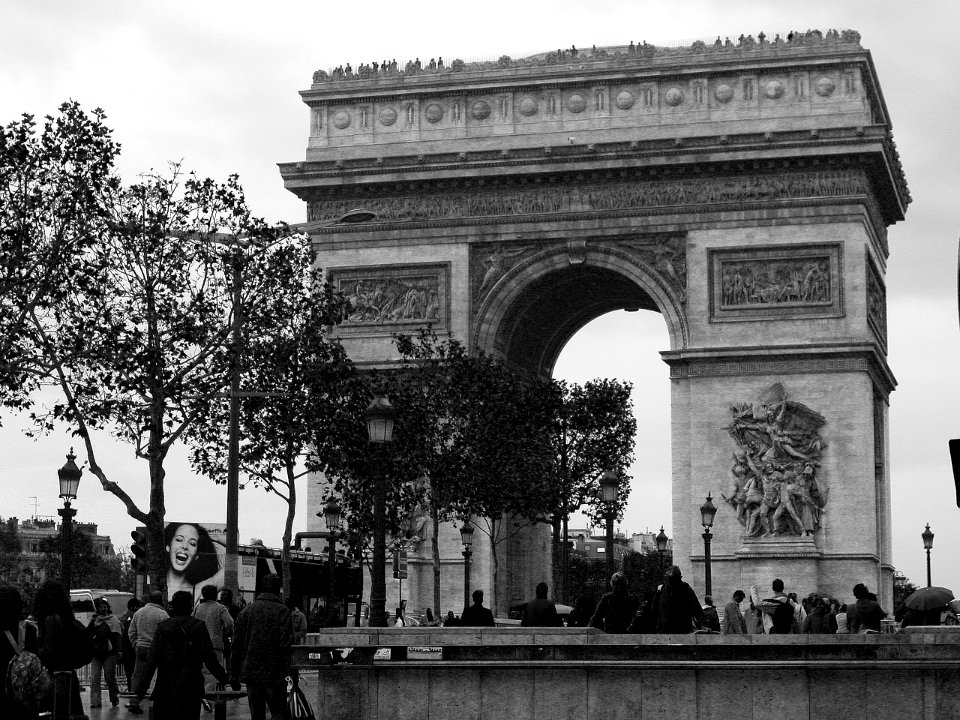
x: 435, y: 546
x: 288, y: 528
x: 494, y: 531
x: 156, y: 547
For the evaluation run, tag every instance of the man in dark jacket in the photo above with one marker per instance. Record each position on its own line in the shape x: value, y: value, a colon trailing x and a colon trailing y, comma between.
x: 617, y: 609
x: 867, y: 613
x: 678, y: 609
x: 180, y: 646
x: 261, y: 655
x: 477, y: 615
x: 541, y: 612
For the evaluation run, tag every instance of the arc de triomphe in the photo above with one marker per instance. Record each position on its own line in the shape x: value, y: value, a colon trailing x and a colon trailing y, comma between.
x: 742, y: 190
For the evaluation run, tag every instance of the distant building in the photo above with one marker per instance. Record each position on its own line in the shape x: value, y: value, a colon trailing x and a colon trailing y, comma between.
x: 33, y: 531
x: 588, y: 544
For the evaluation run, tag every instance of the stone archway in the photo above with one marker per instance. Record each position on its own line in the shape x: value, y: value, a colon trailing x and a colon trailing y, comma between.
x: 542, y: 294
x: 743, y: 191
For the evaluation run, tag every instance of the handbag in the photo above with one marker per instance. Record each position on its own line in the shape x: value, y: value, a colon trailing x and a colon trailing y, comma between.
x: 298, y: 704
x: 26, y: 680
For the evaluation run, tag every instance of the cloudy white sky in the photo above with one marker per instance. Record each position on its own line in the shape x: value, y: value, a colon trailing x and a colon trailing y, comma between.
x: 215, y: 84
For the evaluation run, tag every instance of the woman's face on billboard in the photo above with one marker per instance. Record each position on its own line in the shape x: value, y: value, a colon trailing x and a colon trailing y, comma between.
x: 183, y: 547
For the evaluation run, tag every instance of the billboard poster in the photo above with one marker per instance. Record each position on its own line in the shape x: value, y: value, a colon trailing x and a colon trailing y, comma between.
x: 195, y: 555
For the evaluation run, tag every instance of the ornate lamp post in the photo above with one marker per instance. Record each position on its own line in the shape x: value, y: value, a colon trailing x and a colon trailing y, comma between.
x: 662, y: 541
x: 379, y: 415
x: 331, y: 516
x: 928, y: 546
x: 707, y: 512
x: 609, y: 489
x: 69, y: 476
x: 466, y: 537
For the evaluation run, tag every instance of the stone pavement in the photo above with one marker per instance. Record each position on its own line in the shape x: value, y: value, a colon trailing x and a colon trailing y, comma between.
x: 236, y: 709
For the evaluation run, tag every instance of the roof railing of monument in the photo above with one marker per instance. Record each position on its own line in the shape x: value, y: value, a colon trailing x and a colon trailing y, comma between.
x: 792, y: 43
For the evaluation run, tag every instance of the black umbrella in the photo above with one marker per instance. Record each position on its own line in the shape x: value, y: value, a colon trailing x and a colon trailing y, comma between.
x: 929, y: 598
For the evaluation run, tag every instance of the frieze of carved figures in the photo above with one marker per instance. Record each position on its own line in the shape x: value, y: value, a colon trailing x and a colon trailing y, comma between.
x: 779, y: 281
x: 392, y: 299
x: 609, y: 196
x: 876, y: 303
x: 620, y: 53
x: 776, y: 487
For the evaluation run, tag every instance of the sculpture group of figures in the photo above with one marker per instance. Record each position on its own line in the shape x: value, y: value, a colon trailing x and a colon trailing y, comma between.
x: 766, y: 282
x: 412, y: 67
x: 775, y: 490
x: 388, y: 300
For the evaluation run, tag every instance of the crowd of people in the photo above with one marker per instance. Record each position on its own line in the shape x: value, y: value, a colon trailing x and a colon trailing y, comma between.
x: 191, y: 649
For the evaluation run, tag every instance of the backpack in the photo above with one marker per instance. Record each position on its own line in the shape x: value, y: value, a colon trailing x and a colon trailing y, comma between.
x: 783, y: 617
x: 26, y: 682
x: 78, y: 644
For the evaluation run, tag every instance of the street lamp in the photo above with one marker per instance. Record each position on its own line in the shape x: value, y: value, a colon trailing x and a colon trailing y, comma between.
x: 331, y: 516
x: 69, y: 476
x: 707, y: 512
x: 928, y: 546
x: 379, y: 415
x: 466, y: 537
x: 662, y: 541
x: 609, y: 489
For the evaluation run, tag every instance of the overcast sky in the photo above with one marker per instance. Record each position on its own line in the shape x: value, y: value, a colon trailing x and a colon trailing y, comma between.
x: 215, y: 84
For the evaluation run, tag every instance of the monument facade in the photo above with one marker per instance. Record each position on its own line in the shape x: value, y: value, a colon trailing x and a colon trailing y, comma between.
x: 740, y: 189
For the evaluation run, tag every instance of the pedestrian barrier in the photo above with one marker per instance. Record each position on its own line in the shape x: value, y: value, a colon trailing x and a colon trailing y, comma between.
x: 527, y: 673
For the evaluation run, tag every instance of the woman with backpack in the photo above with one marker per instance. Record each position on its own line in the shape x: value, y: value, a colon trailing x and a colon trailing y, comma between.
x: 12, y: 642
x: 105, y: 630
x: 62, y: 642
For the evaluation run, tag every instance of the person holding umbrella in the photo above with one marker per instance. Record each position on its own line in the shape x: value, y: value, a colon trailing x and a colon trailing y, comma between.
x: 924, y: 607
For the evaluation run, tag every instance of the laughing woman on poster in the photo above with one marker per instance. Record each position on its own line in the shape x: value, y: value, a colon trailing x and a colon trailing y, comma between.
x: 192, y: 557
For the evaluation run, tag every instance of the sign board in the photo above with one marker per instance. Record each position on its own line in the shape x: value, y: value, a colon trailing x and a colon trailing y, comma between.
x: 400, y: 564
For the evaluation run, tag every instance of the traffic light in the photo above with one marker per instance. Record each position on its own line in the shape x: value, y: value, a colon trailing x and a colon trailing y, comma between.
x: 139, y: 549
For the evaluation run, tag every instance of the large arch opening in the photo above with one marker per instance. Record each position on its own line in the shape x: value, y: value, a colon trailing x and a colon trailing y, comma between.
x: 626, y: 346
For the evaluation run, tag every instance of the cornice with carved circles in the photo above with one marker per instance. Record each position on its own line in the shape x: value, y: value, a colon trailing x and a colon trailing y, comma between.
x: 565, y: 154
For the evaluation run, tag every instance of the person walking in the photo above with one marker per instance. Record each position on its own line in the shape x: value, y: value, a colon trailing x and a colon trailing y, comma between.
x: 55, y: 621
x: 180, y: 646
x: 477, y: 615
x: 11, y: 611
x: 143, y: 626
x: 451, y: 620
x: 106, y: 631
x: 711, y: 619
x: 774, y: 611
x: 819, y: 621
x: 216, y: 618
x: 617, y: 609
x: 261, y: 653
x: 583, y: 608
x: 866, y: 615
x: 541, y: 612
x: 299, y: 620
x: 733, y: 622
x: 678, y: 609
x: 430, y: 620
x: 128, y: 655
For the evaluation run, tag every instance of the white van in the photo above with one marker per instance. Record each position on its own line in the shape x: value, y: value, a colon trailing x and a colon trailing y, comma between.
x: 82, y: 602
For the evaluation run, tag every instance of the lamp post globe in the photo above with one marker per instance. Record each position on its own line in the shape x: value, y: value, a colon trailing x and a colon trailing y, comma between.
x: 466, y: 538
x: 380, y: 416
x: 662, y: 542
x: 708, y: 512
x: 331, y: 517
x: 609, y: 492
x: 69, y: 479
x: 928, y: 546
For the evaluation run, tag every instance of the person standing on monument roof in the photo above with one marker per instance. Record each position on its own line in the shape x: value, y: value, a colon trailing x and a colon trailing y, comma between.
x: 617, y: 609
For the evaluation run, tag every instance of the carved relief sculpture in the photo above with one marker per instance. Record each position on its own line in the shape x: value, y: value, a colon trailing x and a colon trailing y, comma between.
x: 751, y: 283
x: 775, y: 488
x: 393, y: 296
